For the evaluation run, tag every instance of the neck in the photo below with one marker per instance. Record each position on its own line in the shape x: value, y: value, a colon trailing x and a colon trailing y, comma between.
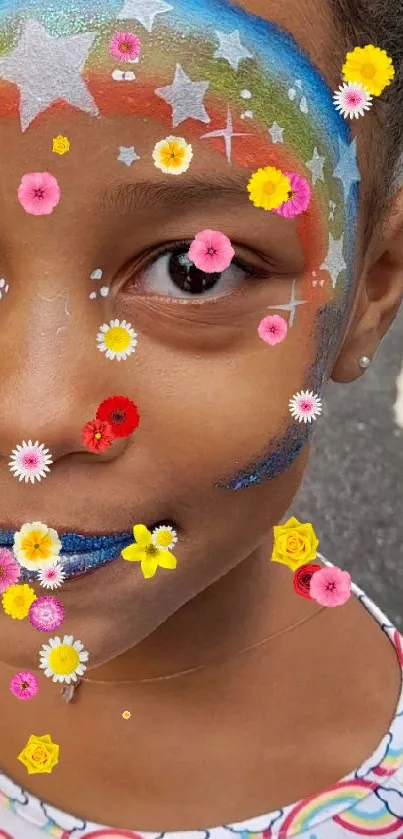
x: 253, y: 601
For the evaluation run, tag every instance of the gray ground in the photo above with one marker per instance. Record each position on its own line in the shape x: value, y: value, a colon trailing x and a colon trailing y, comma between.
x: 353, y: 492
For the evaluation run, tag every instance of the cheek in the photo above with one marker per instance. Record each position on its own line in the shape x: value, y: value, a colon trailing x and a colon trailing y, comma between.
x: 227, y: 406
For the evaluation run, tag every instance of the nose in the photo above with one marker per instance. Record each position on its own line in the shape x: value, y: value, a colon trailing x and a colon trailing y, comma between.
x: 52, y: 376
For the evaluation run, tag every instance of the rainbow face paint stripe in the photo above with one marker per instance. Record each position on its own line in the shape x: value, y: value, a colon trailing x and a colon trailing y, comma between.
x: 219, y: 76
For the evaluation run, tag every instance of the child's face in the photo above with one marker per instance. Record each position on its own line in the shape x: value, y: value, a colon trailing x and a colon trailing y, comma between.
x: 217, y: 450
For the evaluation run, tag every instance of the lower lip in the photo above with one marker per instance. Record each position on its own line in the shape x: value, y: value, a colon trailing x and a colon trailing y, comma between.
x: 79, y: 554
x: 75, y: 565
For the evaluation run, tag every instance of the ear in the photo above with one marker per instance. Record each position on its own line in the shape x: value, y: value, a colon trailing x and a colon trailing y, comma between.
x: 380, y: 292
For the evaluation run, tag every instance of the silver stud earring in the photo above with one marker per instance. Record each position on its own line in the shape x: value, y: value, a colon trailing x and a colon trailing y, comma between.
x: 364, y: 362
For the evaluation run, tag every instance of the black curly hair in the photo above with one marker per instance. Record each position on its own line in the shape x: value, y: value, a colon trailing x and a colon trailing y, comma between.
x: 378, y: 22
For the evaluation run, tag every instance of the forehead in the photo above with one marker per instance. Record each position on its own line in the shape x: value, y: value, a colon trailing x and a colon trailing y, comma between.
x: 204, y: 66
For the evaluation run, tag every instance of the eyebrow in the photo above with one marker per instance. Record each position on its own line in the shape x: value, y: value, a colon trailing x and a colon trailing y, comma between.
x: 148, y: 195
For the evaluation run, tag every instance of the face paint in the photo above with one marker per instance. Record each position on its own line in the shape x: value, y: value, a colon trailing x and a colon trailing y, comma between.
x: 193, y: 73
x: 101, y: 291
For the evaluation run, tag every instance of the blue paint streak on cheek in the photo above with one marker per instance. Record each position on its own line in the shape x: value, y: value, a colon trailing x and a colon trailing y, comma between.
x: 282, y: 453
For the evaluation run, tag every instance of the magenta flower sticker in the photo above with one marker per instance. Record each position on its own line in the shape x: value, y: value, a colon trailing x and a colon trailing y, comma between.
x: 125, y: 46
x: 24, y: 685
x: 330, y: 587
x: 46, y: 613
x: 273, y: 329
x: 10, y: 570
x: 299, y: 198
x: 39, y: 193
x: 211, y: 252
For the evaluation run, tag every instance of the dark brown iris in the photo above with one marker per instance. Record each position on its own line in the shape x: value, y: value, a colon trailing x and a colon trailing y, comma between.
x: 187, y: 277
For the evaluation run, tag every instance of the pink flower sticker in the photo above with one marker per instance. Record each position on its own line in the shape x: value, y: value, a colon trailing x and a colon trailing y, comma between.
x: 211, y: 252
x: 46, y: 613
x: 125, y: 46
x: 273, y: 329
x: 330, y: 586
x: 10, y: 569
x: 39, y: 193
x: 300, y: 197
x: 24, y: 685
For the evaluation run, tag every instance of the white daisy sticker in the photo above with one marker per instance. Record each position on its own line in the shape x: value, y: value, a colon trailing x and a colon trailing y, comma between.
x: 164, y: 537
x: 305, y: 406
x: 63, y: 660
x: 117, y: 339
x: 52, y: 577
x: 30, y: 461
x: 352, y: 100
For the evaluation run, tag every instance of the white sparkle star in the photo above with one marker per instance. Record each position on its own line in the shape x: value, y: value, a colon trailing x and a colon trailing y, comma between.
x: 48, y: 70
x: 316, y: 166
x: 185, y: 97
x: 227, y: 134
x: 127, y: 155
x: 290, y: 307
x: 334, y: 262
x: 276, y: 133
x: 145, y: 11
x: 231, y: 48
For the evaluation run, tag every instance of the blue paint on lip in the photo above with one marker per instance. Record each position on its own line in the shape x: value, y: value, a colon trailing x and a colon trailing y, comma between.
x: 79, y: 553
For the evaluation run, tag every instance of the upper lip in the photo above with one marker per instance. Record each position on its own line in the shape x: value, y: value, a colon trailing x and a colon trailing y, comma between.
x: 73, y: 541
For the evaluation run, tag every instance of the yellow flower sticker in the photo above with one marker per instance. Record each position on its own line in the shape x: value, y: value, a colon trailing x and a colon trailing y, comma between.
x: 145, y: 552
x: 17, y: 600
x: 173, y: 155
x: 369, y: 66
x: 40, y: 755
x: 268, y: 188
x: 61, y: 144
x: 295, y: 543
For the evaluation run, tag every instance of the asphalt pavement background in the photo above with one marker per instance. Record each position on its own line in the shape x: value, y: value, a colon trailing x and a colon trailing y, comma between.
x: 353, y: 491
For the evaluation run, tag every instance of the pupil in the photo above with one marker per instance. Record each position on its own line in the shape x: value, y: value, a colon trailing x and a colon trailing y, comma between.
x: 187, y: 277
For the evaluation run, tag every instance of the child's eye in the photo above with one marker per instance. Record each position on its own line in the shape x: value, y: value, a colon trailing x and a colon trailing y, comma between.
x: 173, y: 274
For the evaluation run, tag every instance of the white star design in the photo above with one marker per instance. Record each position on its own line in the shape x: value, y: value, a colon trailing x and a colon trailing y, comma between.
x: 48, y: 70
x: 231, y: 48
x: 347, y: 170
x: 290, y: 307
x: 276, y: 133
x: 127, y: 155
x: 145, y: 11
x: 334, y: 262
x: 227, y: 134
x: 316, y: 166
x: 185, y: 97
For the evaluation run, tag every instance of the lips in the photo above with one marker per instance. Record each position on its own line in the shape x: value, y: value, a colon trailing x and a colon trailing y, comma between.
x: 80, y: 553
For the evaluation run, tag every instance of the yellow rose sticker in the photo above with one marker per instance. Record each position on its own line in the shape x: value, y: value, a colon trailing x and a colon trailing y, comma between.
x: 40, y: 755
x: 295, y: 543
x: 61, y: 144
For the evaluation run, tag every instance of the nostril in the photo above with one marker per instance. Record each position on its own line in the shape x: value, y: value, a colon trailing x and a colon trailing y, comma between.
x: 165, y: 523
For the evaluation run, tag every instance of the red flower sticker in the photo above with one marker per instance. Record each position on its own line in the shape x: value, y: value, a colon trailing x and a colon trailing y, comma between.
x: 302, y: 579
x: 97, y: 436
x: 121, y: 414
